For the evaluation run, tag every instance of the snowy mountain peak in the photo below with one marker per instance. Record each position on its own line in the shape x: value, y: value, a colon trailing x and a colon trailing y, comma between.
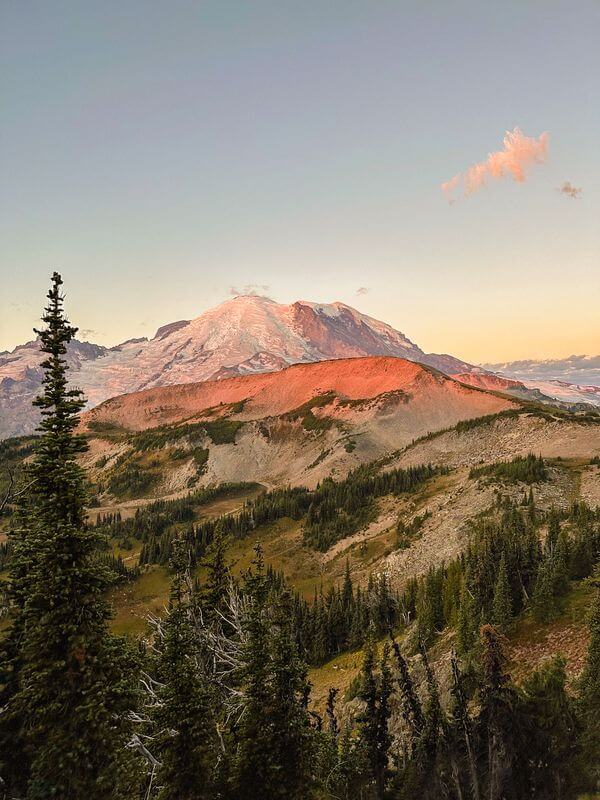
x: 245, y: 334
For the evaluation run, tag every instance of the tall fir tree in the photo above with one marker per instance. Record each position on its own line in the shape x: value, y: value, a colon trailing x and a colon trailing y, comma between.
x: 497, y: 718
x: 543, y: 600
x: 252, y: 767
x: 214, y: 596
x: 71, y: 684
x: 466, y: 626
x: 502, y: 601
x: 374, y: 720
x: 550, y: 733
x: 184, y: 708
x: 292, y: 748
x: 464, y: 726
x: 589, y: 695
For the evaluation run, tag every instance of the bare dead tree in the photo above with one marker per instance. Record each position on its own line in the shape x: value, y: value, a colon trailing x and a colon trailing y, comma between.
x: 219, y: 655
x: 12, y: 494
x: 223, y: 644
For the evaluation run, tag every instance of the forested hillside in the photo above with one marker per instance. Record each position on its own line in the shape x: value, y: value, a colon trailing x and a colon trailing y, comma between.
x: 407, y: 629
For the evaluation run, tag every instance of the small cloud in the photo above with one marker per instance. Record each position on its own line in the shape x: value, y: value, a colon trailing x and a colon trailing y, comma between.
x: 568, y: 190
x: 363, y: 290
x: 19, y: 306
x: 87, y: 332
x: 518, y: 154
x: 252, y: 289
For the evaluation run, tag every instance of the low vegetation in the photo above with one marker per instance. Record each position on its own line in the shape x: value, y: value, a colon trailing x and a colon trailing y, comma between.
x: 109, y: 431
x: 407, y: 533
x: 220, y: 431
x: 524, y: 469
x: 305, y: 413
x: 201, y: 455
x: 129, y: 477
x: 332, y: 511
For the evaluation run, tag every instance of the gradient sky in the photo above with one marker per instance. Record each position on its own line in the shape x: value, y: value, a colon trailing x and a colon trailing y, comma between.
x: 160, y: 153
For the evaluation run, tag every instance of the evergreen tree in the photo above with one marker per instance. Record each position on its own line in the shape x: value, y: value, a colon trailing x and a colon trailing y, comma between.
x: 274, y: 756
x: 553, y: 530
x: 430, y: 611
x: 560, y: 566
x: 69, y: 683
x: 589, y: 696
x: 434, y: 723
x: 184, y: 715
x: 332, y: 722
x: 550, y: 731
x: 497, y: 719
x: 253, y: 774
x: 374, y: 734
x: 384, y: 737
x: 214, y: 597
x: 466, y: 627
x: 351, y: 774
x: 463, y: 722
x: 544, y: 601
x: 502, y: 603
x: 412, y: 710
x: 292, y: 737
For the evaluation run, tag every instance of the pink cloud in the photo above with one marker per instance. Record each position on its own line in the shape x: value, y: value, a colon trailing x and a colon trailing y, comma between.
x: 519, y: 153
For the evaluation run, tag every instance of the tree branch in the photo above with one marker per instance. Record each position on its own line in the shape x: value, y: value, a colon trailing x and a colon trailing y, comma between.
x: 11, y: 495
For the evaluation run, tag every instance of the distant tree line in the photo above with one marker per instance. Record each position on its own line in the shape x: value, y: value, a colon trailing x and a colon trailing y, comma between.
x: 331, y: 511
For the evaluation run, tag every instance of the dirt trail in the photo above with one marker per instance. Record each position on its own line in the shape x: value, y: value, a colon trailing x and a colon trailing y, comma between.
x: 225, y: 505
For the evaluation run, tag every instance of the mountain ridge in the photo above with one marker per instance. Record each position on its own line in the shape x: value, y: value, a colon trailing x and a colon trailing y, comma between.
x: 351, y: 381
x: 294, y: 426
x: 244, y: 335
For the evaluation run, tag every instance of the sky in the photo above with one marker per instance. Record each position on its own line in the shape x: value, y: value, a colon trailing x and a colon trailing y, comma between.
x: 163, y: 155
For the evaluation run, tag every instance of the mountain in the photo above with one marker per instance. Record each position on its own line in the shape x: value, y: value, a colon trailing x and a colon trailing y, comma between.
x: 20, y: 380
x: 583, y: 371
x: 574, y: 381
x: 349, y: 383
x: 296, y: 425
x: 244, y: 335
x: 523, y: 390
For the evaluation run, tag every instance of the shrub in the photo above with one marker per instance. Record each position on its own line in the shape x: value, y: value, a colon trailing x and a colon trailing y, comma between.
x: 222, y: 431
x: 201, y: 459
x: 526, y: 469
